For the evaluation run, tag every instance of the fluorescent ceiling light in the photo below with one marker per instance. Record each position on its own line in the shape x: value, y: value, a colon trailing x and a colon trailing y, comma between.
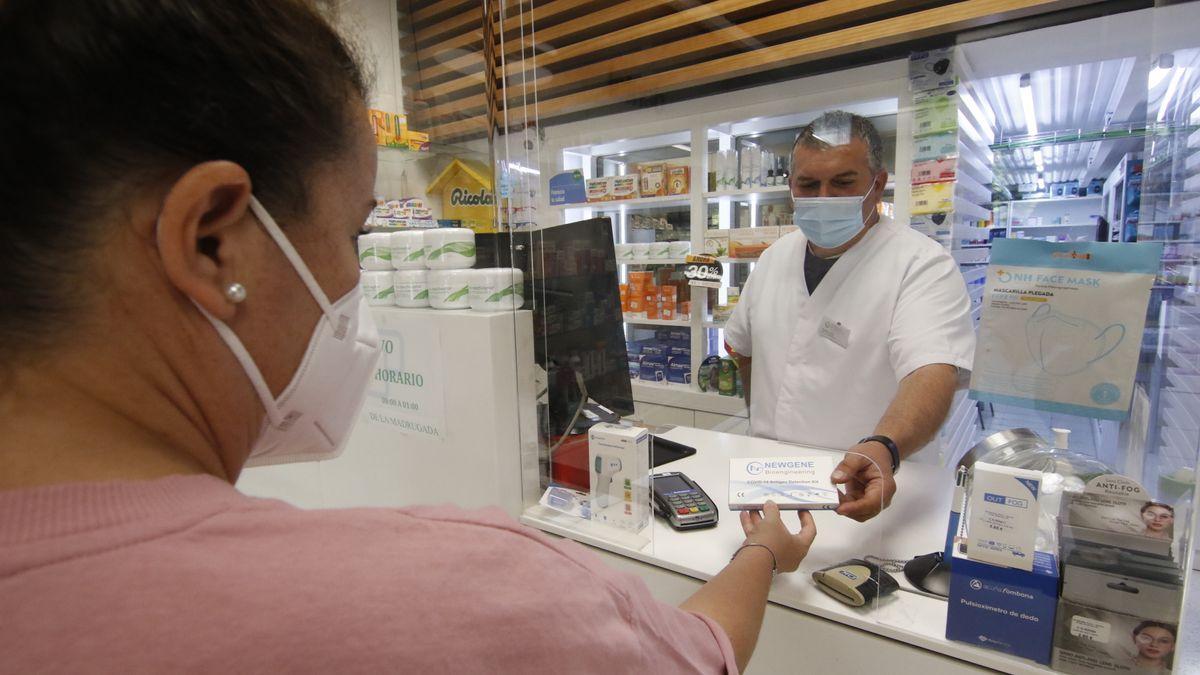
x: 1169, y: 95
x: 1027, y: 105
x: 1039, y: 160
x: 685, y: 148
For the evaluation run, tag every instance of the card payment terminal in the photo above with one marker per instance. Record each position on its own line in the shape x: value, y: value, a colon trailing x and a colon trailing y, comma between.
x: 681, y: 501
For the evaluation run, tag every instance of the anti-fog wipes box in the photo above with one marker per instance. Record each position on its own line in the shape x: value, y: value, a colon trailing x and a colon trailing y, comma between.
x: 619, y: 467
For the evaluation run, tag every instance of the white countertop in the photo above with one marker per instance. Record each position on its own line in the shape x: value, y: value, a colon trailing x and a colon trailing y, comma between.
x: 915, y: 524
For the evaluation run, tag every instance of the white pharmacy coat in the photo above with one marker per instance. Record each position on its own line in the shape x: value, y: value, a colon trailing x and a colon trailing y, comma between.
x: 825, y: 367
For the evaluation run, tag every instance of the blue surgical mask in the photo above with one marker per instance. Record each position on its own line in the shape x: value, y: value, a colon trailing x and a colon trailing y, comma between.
x: 829, y: 222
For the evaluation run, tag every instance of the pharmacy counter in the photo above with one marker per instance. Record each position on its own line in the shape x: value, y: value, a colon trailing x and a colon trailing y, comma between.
x: 915, y: 524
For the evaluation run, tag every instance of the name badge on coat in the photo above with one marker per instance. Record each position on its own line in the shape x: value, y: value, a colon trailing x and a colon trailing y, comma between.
x: 835, y: 332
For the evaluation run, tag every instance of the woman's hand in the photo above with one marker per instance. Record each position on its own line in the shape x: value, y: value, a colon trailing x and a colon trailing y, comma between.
x: 766, y: 527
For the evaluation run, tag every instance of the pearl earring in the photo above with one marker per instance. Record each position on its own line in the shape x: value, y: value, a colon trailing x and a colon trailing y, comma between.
x: 235, y: 292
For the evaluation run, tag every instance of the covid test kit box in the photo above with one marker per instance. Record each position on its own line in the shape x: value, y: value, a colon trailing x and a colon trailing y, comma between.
x: 793, y: 483
x: 619, y: 468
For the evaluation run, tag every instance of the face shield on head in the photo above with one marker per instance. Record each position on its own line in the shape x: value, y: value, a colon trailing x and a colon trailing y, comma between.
x: 830, y: 222
x: 312, y: 418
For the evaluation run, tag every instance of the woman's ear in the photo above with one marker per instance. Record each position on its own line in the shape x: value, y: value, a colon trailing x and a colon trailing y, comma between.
x: 200, y: 214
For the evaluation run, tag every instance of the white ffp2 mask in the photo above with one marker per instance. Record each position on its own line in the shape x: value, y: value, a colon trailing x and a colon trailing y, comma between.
x: 312, y: 417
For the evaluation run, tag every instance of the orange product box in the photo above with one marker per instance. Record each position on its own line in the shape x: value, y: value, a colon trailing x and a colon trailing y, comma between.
x: 667, y: 313
x: 679, y: 177
x: 653, y: 179
x: 670, y: 293
x: 652, y: 310
x: 685, y: 309
x: 636, y: 305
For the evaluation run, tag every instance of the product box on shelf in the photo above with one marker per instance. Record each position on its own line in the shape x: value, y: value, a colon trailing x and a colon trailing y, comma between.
x: 750, y: 242
x: 418, y: 141
x: 568, y: 187
x: 1089, y: 640
x: 653, y: 179
x: 936, y: 225
x: 931, y: 69
x: 1002, y: 523
x: 716, y: 243
x: 391, y: 129
x: 599, y: 189
x: 932, y: 198
x: 1004, y: 608
x: 625, y: 187
x: 679, y: 177
x: 679, y: 370
x: 466, y: 193
x: 1156, y: 600
x: 935, y: 111
x: 654, y: 367
x: 1116, y: 512
x: 934, y: 171
x: 935, y: 146
x: 619, y: 464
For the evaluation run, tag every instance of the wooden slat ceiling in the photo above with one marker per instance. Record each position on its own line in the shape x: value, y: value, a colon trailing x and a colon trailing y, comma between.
x: 586, y: 54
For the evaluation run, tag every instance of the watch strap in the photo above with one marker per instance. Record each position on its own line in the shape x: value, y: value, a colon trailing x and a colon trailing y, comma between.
x: 891, y: 446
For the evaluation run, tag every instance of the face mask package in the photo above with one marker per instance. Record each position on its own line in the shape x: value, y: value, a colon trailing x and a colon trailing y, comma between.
x: 1062, y: 324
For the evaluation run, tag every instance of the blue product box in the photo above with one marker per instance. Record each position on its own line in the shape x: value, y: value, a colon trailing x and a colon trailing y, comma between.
x: 653, y: 369
x: 681, y: 336
x: 635, y: 367
x: 683, y: 351
x: 567, y: 188
x: 679, y: 370
x: 1003, y: 608
x: 654, y: 349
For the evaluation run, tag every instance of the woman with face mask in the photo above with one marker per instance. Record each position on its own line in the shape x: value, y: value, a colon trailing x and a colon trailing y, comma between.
x: 182, y: 186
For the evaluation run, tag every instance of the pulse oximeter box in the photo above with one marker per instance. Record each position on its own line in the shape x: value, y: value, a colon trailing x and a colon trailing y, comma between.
x: 1004, y: 608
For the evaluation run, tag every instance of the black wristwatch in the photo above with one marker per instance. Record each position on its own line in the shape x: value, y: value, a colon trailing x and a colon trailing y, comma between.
x: 891, y: 446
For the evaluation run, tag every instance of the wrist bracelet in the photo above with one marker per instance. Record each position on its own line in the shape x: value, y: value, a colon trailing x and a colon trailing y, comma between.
x: 774, y: 560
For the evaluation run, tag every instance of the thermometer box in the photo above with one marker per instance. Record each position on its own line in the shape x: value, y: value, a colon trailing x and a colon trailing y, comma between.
x: 619, y: 469
x: 794, y: 483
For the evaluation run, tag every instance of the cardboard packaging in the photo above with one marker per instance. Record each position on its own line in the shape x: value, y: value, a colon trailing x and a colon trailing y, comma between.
x: 653, y: 177
x: 716, y: 243
x: 935, y: 112
x: 625, y: 187
x: 568, y: 187
x: 1002, y: 516
x: 936, y: 146
x: 934, y: 171
x: 418, y: 141
x: 679, y: 179
x: 619, y: 462
x: 1003, y: 608
x: 751, y: 242
x: 932, y: 69
x: 932, y: 198
x: 1108, y: 513
x: 1152, y: 600
x: 466, y: 194
x: 1089, y: 640
x: 599, y: 189
x: 799, y: 483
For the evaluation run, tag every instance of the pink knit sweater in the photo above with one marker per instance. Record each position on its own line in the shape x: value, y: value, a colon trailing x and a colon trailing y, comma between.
x: 185, y: 574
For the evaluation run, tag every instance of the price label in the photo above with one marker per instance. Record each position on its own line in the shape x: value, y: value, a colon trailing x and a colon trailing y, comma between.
x: 703, y: 270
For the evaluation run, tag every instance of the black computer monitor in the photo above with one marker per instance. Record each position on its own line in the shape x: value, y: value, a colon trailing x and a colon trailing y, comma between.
x: 571, y: 284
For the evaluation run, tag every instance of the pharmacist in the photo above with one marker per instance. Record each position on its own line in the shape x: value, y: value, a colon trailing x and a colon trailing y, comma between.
x: 855, y: 331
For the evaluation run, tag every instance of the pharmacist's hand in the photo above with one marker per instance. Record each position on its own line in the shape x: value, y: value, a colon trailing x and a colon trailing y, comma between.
x: 766, y: 527
x: 869, y: 483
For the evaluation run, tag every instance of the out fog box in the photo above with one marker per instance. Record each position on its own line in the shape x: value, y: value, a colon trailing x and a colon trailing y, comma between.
x: 1003, y: 593
x: 619, y: 466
